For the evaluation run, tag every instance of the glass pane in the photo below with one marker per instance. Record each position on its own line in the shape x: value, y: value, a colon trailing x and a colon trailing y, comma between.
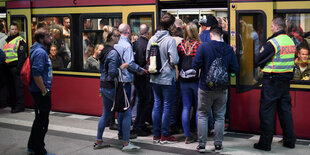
x: 59, y: 51
x: 136, y: 20
x: 250, y: 40
x: 93, y: 41
x: 21, y: 25
x: 298, y: 28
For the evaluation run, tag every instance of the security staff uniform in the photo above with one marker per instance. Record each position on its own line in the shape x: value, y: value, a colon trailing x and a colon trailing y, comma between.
x: 15, y: 51
x: 277, y: 63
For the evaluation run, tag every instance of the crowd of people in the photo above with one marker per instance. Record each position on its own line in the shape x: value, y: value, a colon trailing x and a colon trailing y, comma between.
x: 187, y: 52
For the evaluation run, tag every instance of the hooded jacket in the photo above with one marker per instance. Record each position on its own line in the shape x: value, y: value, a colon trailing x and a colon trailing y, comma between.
x: 41, y: 65
x: 2, y: 40
x: 205, y: 56
x: 168, y: 51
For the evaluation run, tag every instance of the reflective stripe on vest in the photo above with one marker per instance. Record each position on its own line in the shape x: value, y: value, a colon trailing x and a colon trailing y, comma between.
x: 283, y: 60
x: 11, y: 49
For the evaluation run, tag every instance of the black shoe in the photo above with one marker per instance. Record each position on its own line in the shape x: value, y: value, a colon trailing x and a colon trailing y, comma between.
x: 201, y: 149
x: 262, y: 147
x: 133, y: 135
x: 16, y: 110
x: 289, y: 145
x: 113, y: 126
x: 142, y: 133
x: 218, y: 148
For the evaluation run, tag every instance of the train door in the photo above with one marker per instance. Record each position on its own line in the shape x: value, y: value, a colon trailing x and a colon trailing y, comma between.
x: 248, y: 34
x: 249, y: 26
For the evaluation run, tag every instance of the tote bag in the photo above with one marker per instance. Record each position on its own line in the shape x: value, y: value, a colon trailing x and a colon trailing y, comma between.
x: 121, y: 102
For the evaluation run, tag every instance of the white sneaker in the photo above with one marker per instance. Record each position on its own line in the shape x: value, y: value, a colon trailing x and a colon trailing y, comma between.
x: 130, y: 147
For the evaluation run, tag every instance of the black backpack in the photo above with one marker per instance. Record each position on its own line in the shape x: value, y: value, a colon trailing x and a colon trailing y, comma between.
x: 187, y: 73
x: 153, y: 65
x: 217, y: 76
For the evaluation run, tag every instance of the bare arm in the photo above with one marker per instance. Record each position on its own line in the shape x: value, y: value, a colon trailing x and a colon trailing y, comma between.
x: 39, y: 82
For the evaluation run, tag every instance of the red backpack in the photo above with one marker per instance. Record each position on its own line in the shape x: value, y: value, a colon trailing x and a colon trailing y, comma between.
x: 25, y: 73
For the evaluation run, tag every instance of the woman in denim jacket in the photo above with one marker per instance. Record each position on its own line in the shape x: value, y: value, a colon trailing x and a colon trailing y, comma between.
x: 110, y: 63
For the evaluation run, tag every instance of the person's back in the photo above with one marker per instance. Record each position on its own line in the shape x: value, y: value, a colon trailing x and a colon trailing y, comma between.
x: 205, y: 53
x: 168, y: 52
x: 164, y: 83
x: 209, y: 99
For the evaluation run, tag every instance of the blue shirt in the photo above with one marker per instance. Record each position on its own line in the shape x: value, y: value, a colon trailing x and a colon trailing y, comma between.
x: 124, y: 49
x: 40, y: 66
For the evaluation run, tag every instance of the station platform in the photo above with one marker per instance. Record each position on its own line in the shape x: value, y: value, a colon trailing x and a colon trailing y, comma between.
x: 72, y: 134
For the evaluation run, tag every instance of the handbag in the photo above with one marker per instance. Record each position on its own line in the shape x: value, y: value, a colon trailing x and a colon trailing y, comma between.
x: 121, y: 102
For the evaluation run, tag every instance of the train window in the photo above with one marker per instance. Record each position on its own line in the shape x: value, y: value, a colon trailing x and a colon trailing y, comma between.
x: 298, y: 28
x: 251, y: 36
x: 59, y: 51
x: 92, y: 38
x: 135, y: 20
x: 21, y: 22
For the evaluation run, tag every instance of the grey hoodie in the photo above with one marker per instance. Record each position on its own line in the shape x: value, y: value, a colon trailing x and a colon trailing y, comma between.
x: 2, y: 40
x: 167, y: 47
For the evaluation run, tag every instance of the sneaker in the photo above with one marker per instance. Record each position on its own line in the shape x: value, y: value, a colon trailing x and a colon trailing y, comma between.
x: 201, y: 149
x: 100, y: 146
x: 168, y: 140
x: 130, y: 147
x: 189, y: 140
x: 30, y: 151
x: 156, y: 139
x: 218, y: 148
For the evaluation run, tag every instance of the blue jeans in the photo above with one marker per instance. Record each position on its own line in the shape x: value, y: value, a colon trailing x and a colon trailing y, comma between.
x: 215, y: 100
x: 189, y: 95
x: 163, y: 100
x: 108, y: 97
x: 175, y: 105
x: 124, y: 118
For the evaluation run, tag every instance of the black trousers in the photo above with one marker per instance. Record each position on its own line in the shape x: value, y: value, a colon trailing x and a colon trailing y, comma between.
x: 16, y: 88
x: 42, y: 108
x: 275, y: 96
x: 145, y: 102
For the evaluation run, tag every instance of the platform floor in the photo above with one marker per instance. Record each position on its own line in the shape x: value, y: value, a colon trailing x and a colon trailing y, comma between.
x: 72, y: 134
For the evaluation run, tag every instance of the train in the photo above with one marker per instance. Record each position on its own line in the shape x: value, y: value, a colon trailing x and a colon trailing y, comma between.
x: 76, y: 89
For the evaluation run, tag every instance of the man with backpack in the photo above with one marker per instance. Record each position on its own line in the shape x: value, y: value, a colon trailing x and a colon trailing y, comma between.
x: 40, y: 89
x: 213, y: 95
x: 162, y: 54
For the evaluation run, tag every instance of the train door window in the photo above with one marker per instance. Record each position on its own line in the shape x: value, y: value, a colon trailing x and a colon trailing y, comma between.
x: 135, y: 20
x: 92, y: 41
x: 60, y: 49
x: 21, y: 23
x: 298, y: 28
x: 251, y: 37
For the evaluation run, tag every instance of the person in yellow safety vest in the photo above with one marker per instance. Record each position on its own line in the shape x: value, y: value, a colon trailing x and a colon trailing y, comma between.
x: 277, y: 62
x: 16, y: 54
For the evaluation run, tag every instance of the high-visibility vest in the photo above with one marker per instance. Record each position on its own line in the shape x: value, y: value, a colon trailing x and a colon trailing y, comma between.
x: 283, y: 60
x: 11, y: 49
